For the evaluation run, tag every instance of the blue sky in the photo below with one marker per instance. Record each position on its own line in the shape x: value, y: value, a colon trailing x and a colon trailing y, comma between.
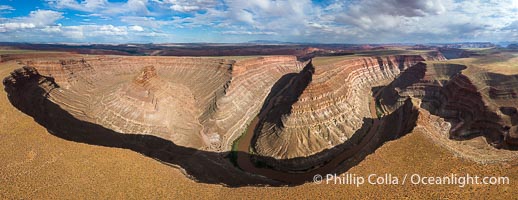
x: 322, y: 21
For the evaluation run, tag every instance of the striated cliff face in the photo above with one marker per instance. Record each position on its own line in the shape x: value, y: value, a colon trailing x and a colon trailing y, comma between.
x: 252, y: 79
x: 483, y: 105
x: 297, y: 118
x: 323, y: 106
x: 207, y: 103
x: 203, y: 103
x: 27, y: 78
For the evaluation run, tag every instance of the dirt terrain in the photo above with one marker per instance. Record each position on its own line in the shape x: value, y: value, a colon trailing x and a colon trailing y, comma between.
x: 151, y: 126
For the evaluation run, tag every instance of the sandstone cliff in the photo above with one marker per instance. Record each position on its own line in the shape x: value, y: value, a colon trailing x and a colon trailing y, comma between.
x: 323, y: 107
x: 302, y: 117
x: 482, y: 105
x: 203, y: 103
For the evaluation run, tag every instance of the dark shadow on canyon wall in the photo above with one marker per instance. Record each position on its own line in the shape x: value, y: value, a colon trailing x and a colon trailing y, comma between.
x: 465, y: 109
x: 456, y: 99
x: 26, y: 94
x: 284, y: 94
x: 279, y: 102
x: 399, y: 59
x: 453, y: 53
x: 405, y: 79
x: 283, y: 81
x: 501, y: 86
x: 416, y: 74
x: 342, y: 157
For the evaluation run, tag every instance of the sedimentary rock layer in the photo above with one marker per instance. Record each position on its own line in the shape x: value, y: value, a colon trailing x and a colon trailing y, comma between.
x: 195, y: 102
x: 304, y: 119
x: 323, y: 106
x: 485, y: 108
x: 252, y: 79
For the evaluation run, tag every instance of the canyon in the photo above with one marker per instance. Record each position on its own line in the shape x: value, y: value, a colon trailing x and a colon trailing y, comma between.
x: 268, y: 120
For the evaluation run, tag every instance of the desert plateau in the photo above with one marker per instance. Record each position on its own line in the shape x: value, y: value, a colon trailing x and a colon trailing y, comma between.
x: 220, y: 99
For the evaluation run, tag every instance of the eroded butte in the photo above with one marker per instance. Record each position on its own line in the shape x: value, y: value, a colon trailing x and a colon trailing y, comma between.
x: 268, y: 120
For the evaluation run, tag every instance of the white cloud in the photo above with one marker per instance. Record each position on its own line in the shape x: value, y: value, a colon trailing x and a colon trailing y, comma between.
x: 137, y: 28
x: 17, y: 25
x: 6, y: 8
x: 185, y: 8
x: 130, y: 7
x: 386, y: 14
x: 144, y: 21
x: 94, y: 15
x: 104, y: 6
x: 36, y: 19
x: 425, y: 21
x: 85, y: 5
x: 257, y: 16
x: 52, y: 29
x: 102, y: 32
x: 93, y: 31
x: 40, y: 25
x: 291, y: 20
x: 248, y: 33
x: 43, y: 17
x: 189, y: 5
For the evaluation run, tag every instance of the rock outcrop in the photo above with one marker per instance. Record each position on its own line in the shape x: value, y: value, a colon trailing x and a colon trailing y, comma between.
x: 512, y: 46
x: 483, y: 108
x: 323, y: 106
x: 252, y: 79
x: 202, y: 103
x: 300, y: 118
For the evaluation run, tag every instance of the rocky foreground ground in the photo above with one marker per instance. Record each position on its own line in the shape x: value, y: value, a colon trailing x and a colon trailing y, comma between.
x: 188, y: 113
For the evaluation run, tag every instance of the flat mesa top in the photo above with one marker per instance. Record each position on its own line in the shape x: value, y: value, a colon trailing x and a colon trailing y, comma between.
x: 491, y: 60
x: 326, y: 60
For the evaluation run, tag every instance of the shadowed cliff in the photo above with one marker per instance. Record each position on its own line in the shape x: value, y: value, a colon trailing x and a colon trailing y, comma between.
x: 26, y: 92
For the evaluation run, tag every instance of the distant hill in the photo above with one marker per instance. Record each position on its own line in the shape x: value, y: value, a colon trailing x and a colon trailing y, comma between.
x: 512, y: 46
x: 267, y: 42
x: 506, y: 43
x: 465, y: 45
